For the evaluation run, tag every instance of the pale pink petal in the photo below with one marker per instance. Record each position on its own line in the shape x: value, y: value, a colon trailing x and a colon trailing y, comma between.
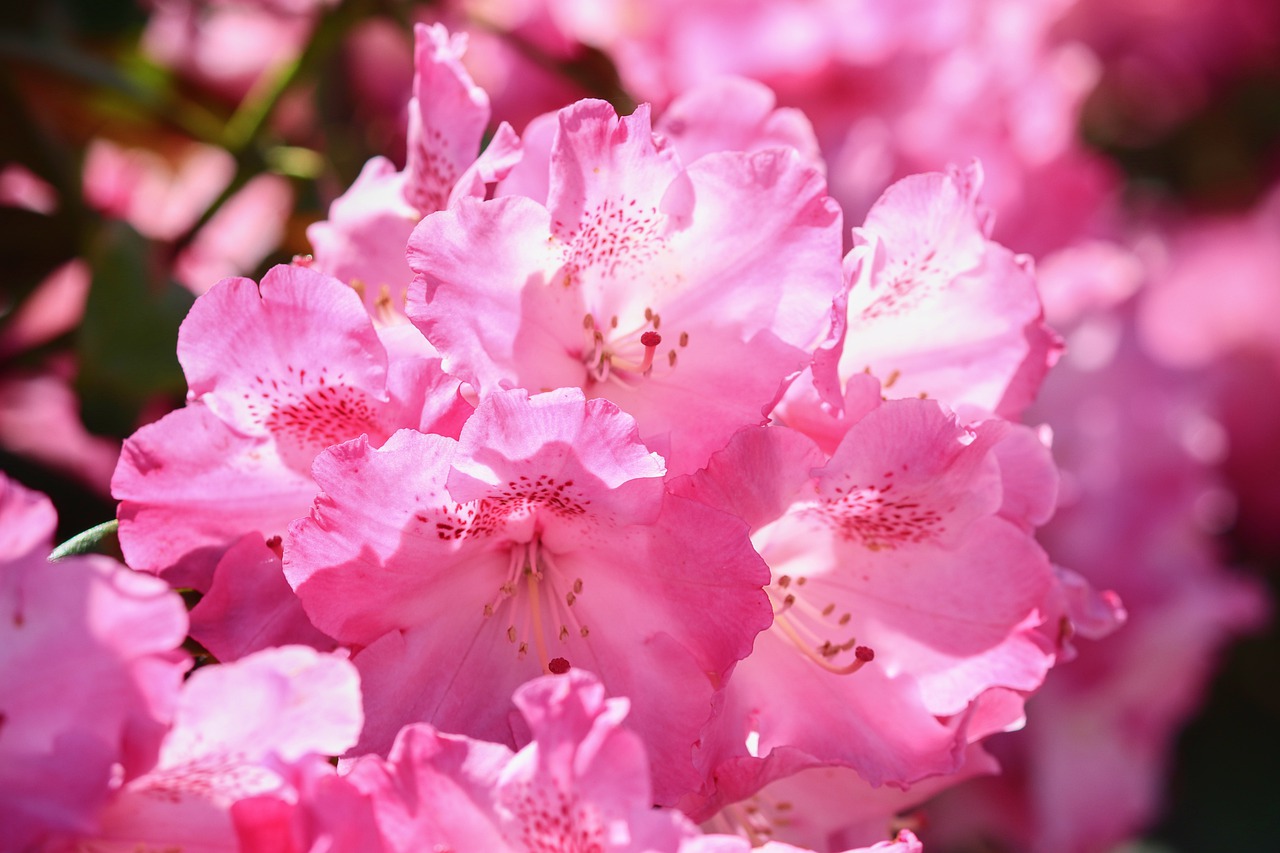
x: 494, y: 164
x: 237, y: 728
x: 448, y: 115
x: 936, y: 309
x: 736, y: 114
x: 531, y: 177
x: 363, y: 241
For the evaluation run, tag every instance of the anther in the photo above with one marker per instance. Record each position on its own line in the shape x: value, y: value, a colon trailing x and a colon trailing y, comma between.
x: 558, y: 666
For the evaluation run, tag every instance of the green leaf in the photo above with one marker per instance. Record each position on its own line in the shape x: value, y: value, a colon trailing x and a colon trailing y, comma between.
x: 129, y: 338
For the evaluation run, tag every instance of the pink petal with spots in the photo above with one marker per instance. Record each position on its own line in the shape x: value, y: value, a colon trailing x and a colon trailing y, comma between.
x: 275, y: 378
x: 490, y: 584
x: 936, y: 308
x: 897, y: 545
x: 599, y: 159
x: 584, y: 776
x: 251, y: 607
x: 292, y: 359
x: 736, y: 114
x: 551, y: 451
x: 689, y: 298
x: 237, y: 728
x: 448, y: 114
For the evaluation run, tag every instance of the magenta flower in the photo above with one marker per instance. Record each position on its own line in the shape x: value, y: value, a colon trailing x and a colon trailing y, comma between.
x: 90, y: 664
x: 688, y: 296
x: 905, y: 584
x: 581, y: 783
x: 541, y: 539
x: 276, y: 375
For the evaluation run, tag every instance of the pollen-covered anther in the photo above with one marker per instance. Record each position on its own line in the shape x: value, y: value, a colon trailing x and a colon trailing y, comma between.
x: 809, y: 628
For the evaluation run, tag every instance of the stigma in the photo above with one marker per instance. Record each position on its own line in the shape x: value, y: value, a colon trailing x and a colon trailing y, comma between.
x: 630, y: 355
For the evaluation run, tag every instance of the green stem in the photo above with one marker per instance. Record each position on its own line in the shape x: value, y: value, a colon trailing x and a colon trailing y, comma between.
x: 85, y: 542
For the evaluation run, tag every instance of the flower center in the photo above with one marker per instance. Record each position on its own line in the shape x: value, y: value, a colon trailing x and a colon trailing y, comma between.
x: 625, y: 357
x: 537, y: 600
x: 820, y: 633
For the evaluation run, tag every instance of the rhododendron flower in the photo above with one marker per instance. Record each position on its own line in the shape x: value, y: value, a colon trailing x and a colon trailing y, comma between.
x: 276, y: 375
x: 363, y: 241
x: 905, y: 584
x: 938, y: 309
x: 686, y: 295
x: 237, y: 730
x: 579, y: 783
x: 542, y: 538
x: 89, y: 663
x: 935, y: 309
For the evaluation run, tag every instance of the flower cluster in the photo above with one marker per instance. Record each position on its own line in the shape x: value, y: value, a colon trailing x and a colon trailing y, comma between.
x: 648, y: 478
x: 628, y: 423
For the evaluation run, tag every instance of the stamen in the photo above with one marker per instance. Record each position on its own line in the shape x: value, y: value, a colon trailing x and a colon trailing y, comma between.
x: 558, y: 666
x: 862, y: 654
x: 533, y: 576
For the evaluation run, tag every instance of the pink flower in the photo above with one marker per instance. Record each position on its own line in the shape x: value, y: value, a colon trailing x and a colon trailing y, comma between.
x: 893, y: 89
x: 582, y: 782
x: 1138, y: 513
x: 905, y: 584
x: 542, y: 537
x: 276, y: 375
x: 90, y: 665
x: 935, y: 309
x: 238, y: 729
x: 688, y: 296
x: 363, y: 241
x: 579, y: 783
